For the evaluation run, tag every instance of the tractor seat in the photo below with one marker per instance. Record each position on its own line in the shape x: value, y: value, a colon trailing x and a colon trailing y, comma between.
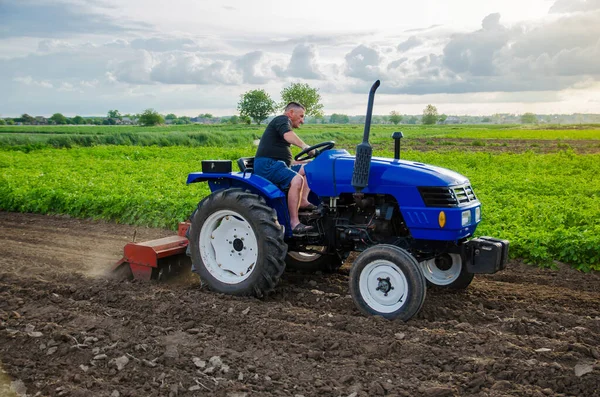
x: 246, y: 164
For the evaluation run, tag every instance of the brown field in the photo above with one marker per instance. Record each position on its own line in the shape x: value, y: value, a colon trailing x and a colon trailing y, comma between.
x: 68, y: 330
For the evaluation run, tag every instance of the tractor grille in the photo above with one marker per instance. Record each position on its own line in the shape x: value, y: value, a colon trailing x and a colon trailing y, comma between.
x: 456, y: 196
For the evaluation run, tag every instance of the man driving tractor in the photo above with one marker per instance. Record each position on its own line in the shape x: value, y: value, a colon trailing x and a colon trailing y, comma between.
x: 273, y: 161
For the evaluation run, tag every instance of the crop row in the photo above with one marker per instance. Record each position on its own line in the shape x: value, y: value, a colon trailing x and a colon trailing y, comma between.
x: 545, y: 204
x: 36, y: 137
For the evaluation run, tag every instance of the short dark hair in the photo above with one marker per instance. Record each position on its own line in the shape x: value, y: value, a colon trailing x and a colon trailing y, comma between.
x: 294, y: 105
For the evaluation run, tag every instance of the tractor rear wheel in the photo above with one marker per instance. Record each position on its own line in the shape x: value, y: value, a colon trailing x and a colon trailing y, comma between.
x: 313, y: 261
x: 386, y: 280
x: 447, y: 271
x: 236, y: 243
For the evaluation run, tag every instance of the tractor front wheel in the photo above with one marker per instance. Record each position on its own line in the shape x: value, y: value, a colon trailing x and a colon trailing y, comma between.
x: 385, y: 280
x: 236, y: 243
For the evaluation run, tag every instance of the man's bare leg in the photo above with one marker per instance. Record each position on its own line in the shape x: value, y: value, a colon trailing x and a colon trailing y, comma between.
x: 294, y: 195
x: 305, y: 190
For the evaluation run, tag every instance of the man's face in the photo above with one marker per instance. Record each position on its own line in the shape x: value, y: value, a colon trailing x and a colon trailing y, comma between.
x: 296, y: 117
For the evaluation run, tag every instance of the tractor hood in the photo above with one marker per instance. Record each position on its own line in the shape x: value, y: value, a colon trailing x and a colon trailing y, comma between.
x: 330, y: 175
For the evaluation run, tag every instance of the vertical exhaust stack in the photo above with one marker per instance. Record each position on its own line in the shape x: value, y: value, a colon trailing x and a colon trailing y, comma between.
x: 362, y: 164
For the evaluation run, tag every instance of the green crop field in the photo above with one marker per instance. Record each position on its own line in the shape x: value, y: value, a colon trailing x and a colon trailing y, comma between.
x: 546, y: 204
x: 36, y: 137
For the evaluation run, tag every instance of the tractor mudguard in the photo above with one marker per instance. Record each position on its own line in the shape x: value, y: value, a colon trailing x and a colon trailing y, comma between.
x: 274, y: 197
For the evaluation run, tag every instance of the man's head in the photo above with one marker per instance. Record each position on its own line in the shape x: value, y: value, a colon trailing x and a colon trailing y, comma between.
x: 295, y: 113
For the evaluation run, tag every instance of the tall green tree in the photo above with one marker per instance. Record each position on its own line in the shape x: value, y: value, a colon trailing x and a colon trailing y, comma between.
x: 25, y: 118
x: 151, y: 117
x: 114, y: 114
x: 257, y: 105
x: 528, y: 118
x: 170, y: 116
x: 395, y: 117
x: 430, y: 115
x: 78, y: 120
x: 58, y: 118
x: 305, y: 95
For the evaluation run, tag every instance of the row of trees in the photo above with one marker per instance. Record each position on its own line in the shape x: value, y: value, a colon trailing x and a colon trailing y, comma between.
x: 257, y: 106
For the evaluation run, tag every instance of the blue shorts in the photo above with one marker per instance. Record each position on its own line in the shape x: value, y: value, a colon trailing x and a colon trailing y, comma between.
x: 276, y: 171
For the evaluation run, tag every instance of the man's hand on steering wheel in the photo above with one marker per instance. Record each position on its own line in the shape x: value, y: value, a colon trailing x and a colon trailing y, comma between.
x: 311, y: 152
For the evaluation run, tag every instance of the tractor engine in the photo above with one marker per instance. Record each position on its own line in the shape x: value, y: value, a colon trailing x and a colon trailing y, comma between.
x: 360, y: 221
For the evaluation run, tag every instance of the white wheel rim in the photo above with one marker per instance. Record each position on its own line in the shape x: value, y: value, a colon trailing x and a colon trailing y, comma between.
x: 307, y: 256
x: 228, y: 247
x: 383, y: 286
x: 438, y: 276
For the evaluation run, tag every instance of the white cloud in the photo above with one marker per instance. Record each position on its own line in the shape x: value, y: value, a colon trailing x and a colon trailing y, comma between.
x: 567, y: 6
x: 363, y: 63
x: 253, y: 68
x: 411, y: 42
x: 191, y: 68
x: 28, y: 80
x: 304, y: 63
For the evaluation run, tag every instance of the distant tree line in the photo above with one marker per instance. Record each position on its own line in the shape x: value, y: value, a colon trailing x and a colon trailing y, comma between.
x: 257, y: 106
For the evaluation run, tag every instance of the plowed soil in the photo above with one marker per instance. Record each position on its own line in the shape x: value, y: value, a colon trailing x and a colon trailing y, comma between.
x: 66, y: 329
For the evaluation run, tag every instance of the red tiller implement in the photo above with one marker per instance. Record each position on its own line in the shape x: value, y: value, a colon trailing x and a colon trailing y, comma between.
x: 155, y: 258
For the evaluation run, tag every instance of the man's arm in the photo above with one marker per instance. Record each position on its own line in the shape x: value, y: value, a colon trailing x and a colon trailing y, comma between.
x: 292, y: 138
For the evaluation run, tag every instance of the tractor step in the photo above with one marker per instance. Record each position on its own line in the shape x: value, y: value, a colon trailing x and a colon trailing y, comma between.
x: 144, y: 259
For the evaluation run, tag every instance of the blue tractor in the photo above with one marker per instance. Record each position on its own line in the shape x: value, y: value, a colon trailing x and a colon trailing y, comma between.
x: 411, y: 223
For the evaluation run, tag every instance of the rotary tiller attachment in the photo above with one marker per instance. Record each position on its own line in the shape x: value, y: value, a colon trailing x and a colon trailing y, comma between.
x: 155, y: 259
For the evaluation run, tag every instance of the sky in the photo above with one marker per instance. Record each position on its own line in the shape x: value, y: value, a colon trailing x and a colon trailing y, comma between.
x: 189, y: 57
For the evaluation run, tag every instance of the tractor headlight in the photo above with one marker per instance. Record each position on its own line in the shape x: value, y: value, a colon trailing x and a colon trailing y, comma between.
x: 477, y: 214
x: 466, y: 218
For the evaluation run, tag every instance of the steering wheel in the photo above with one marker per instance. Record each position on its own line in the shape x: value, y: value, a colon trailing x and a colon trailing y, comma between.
x: 326, y: 145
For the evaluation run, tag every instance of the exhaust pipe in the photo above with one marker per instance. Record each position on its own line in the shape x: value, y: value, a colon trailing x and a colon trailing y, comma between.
x: 364, y: 151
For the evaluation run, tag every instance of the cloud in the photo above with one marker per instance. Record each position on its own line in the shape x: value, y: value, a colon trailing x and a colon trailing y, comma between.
x: 192, y: 68
x: 474, y: 52
x: 54, y: 45
x: 303, y: 63
x: 249, y: 65
x: 363, y: 63
x: 43, y: 19
x: 411, y: 42
x: 553, y: 54
x: 160, y: 44
x: 136, y: 70
x: 567, y: 32
x: 28, y: 80
x: 568, y: 6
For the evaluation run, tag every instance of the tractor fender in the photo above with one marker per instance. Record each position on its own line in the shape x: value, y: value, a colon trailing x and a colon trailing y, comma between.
x: 274, y: 197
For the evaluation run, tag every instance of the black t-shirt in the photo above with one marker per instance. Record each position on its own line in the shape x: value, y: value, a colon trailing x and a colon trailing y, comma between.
x: 272, y: 144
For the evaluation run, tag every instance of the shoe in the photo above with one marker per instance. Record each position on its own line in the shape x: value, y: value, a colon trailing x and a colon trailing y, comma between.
x: 302, y: 229
x: 310, y: 207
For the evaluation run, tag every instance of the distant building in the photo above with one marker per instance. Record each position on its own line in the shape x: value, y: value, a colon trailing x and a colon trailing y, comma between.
x: 452, y: 120
x: 40, y: 120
